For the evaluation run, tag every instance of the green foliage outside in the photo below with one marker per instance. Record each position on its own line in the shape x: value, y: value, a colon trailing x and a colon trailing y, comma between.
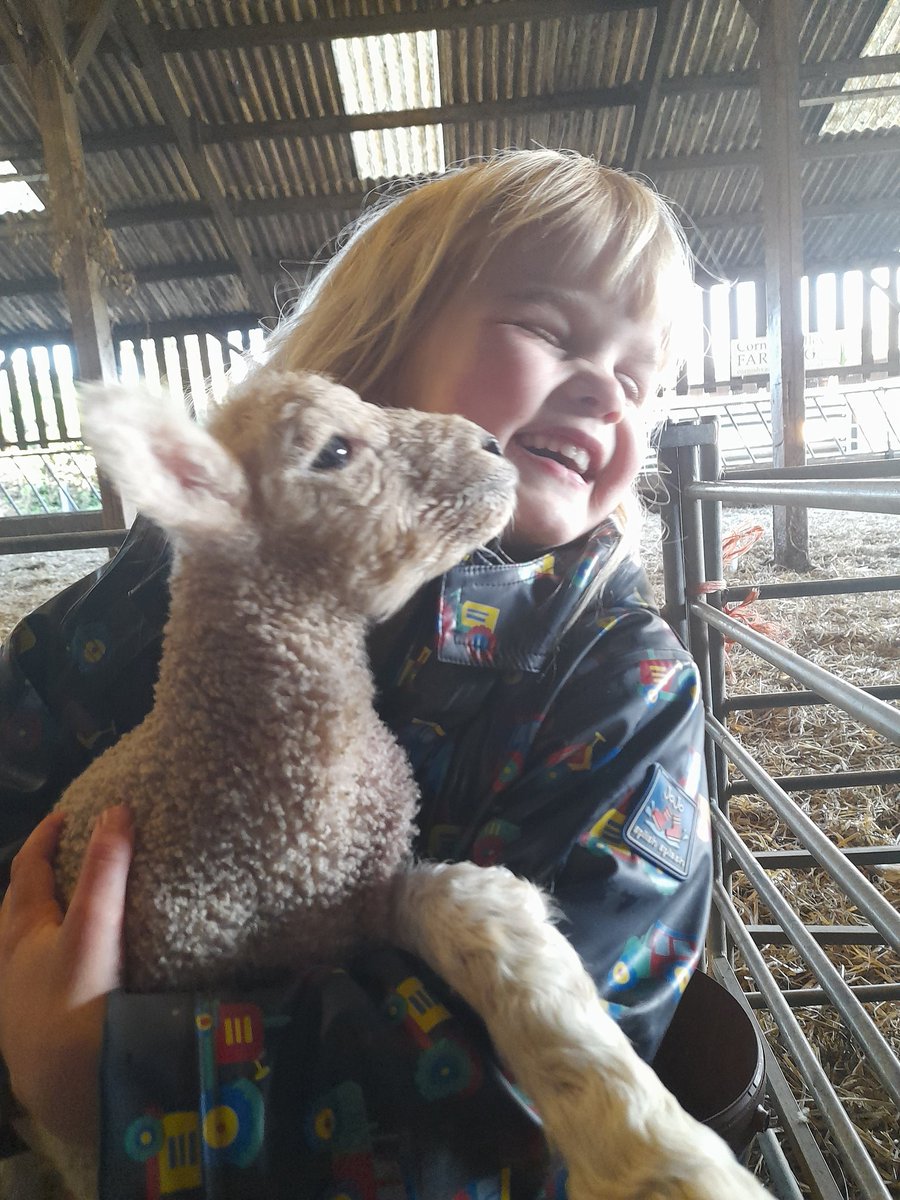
x: 49, y: 481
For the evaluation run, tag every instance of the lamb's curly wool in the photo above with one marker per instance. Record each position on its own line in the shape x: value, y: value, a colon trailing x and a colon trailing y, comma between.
x: 262, y: 784
x: 274, y: 812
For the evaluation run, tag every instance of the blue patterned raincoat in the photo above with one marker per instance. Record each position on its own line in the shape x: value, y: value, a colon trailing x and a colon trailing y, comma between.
x: 569, y: 751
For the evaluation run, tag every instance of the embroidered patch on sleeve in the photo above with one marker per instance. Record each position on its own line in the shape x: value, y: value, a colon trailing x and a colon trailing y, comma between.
x: 662, y: 823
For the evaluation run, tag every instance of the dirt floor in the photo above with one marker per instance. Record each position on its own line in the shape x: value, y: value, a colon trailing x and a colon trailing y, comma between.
x: 27, y: 580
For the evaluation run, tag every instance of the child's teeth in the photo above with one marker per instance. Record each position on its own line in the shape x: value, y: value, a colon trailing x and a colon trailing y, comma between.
x: 578, y: 457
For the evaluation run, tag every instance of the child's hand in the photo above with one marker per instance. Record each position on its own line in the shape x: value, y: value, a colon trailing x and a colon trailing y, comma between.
x: 56, y: 971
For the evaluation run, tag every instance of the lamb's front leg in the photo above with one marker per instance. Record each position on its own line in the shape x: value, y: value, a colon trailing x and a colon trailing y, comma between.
x: 622, y: 1135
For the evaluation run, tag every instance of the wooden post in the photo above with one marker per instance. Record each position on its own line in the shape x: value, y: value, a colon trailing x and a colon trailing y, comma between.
x: 69, y: 214
x: 779, y: 47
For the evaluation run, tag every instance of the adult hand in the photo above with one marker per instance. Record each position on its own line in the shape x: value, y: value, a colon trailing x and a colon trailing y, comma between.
x: 56, y: 971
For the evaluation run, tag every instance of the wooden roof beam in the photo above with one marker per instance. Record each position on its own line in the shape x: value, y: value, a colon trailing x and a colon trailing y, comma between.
x: 47, y: 285
x: 48, y: 18
x: 162, y: 89
x: 236, y: 131
x: 91, y: 33
x: 874, y: 93
x: 501, y: 12
x: 779, y: 49
x: 80, y: 274
x: 353, y: 202
x: 669, y: 20
x: 15, y: 47
x: 44, y: 285
x: 754, y: 8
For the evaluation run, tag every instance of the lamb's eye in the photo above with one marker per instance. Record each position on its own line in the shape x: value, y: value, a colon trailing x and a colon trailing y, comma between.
x: 335, y: 454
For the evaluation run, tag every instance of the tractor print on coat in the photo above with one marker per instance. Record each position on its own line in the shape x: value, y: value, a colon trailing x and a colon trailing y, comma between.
x: 228, y: 1125
x: 661, y: 952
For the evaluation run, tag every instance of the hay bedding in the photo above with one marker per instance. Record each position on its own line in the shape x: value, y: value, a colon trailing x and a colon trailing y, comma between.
x: 857, y: 637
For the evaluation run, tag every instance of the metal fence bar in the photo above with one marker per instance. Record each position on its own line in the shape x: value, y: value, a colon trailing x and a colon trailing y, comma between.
x: 29, y: 484
x: 815, y: 587
x: 853, y: 1152
x: 852, y: 700
x: 825, y: 935
x: 860, y: 1024
x: 851, y: 467
x: 886, y: 691
x: 794, y: 1122
x: 777, y: 1165
x: 881, y: 496
x: 17, y: 512
x: 872, y: 488
x: 872, y: 993
x: 74, y: 459
x: 870, y: 902
x: 821, y: 783
x: 867, y: 856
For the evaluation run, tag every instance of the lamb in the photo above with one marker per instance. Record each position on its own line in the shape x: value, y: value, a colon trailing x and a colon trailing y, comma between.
x: 261, y: 843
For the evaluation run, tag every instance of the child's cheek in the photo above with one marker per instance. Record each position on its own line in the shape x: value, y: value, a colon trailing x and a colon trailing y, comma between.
x: 496, y: 388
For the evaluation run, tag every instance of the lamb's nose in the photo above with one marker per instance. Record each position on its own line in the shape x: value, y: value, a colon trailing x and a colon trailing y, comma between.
x: 492, y: 446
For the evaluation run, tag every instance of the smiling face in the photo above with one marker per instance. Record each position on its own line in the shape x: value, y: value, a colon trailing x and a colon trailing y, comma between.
x: 538, y: 352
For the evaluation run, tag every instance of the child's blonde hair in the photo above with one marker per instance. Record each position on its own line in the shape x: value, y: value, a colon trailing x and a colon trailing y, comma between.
x: 408, y: 257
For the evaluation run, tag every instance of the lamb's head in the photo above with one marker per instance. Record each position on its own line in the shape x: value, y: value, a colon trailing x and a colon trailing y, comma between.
x: 310, y: 481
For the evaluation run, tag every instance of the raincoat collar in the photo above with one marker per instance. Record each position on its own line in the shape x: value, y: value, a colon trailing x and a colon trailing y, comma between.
x: 509, y: 616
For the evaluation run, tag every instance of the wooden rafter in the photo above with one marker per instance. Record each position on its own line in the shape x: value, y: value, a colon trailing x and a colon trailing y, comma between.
x: 9, y: 36
x: 42, y: 285
x: 669, y: 18
x: 779, y: 49
x: 880, y: 145
x: 73, y: 229
x: 45, y: 285
x: 235, y: 131
x: 48, y: 19
x: 470, y: 17
x: 754, y: 8
x: 162, y: 89
x: 91, y: 33
x: 450, y: 114
x: 351, y: 202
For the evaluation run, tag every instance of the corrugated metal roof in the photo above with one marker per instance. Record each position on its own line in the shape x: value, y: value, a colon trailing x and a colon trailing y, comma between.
x: 262, y: 88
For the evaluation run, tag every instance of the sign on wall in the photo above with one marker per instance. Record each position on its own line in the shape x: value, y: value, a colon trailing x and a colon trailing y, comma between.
x: 821, y: 351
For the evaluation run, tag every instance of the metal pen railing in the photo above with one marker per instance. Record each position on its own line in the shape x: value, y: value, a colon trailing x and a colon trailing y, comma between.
x: 695, y: 597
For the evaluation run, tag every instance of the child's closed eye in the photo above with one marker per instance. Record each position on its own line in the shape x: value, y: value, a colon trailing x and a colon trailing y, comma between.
x: 537, y: 329
x: 633, y: 389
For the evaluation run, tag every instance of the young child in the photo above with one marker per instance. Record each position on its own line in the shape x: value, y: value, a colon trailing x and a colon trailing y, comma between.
x: 552, y: 719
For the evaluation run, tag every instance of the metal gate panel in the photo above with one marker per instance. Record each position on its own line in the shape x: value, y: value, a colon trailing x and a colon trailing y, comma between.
x: 696, y: 597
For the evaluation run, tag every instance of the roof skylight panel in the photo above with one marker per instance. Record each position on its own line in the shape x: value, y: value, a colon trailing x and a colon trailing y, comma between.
x: 855, y: 115
x: 391, y: 73
x: 16, y: 196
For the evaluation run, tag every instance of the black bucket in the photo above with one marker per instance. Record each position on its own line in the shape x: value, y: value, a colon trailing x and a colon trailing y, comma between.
x: 712, y: 1060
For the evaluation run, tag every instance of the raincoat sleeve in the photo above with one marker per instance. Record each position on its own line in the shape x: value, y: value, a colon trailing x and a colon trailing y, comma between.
x: 74, y: 676
x: 607, y: 808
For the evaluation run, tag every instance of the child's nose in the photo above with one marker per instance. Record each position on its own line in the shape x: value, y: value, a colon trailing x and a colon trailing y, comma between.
x: 597, y: 391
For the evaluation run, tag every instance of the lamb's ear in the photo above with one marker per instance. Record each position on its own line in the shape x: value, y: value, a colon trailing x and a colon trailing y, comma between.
x: 163, y: 462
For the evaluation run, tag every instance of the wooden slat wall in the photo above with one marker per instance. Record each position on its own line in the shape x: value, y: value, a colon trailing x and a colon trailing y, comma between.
x: 30, y: 417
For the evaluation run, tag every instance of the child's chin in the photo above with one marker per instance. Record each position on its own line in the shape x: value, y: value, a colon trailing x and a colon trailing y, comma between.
x: 530, y: 539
